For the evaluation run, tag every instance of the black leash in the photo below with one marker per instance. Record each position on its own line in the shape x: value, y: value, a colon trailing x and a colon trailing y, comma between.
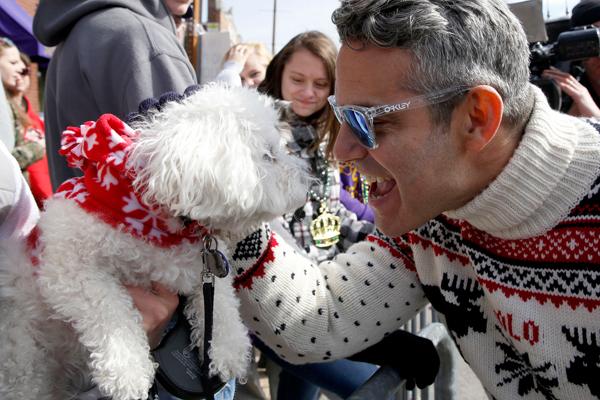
x: 208, y: 291
x: 184, y: 380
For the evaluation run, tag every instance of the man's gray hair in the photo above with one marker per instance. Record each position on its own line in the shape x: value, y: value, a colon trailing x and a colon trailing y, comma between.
x: 453, y: 42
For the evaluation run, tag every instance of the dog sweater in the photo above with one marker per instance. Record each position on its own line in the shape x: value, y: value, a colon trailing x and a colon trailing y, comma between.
x: 515, y: 274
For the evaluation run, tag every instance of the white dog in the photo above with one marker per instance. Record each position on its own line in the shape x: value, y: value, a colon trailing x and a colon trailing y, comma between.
x: 214, y: 162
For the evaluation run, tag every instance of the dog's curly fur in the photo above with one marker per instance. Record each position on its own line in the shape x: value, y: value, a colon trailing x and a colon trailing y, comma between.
x: 216, y: 157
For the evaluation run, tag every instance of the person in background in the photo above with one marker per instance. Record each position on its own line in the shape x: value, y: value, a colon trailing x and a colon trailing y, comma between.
x: 355, y: 187
x: 7, y: 127
x: 29, y: 149
x: 487, y: 204
x: 245, y: 64
x: 585, y: 92
x: 303, y: 74
x: 18, y: 210
x: 110, y: 56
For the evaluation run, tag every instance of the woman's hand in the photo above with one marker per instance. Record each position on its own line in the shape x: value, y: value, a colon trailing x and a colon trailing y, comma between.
x: 157, y: 305
x: 582, y: 100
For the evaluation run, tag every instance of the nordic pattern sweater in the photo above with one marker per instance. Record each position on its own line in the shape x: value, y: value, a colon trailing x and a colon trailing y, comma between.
x: 515, y: 274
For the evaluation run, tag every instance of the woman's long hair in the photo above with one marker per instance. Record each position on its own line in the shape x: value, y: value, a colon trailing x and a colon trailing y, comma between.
x: 15, y: 101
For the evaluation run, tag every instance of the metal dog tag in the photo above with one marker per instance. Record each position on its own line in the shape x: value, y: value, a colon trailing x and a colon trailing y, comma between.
x: 216, y: 263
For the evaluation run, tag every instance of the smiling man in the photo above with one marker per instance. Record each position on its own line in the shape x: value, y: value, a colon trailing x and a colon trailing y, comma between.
x: 487, y: 201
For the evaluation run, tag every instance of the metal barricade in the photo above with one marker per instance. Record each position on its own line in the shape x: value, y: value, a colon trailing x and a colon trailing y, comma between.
x: 386, y: 383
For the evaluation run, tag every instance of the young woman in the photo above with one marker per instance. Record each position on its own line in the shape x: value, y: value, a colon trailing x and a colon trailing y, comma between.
x: 302, y: 75
x: 30, y: 149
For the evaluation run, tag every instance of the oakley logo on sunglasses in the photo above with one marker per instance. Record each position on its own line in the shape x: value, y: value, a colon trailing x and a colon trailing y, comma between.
x: 396, y: 107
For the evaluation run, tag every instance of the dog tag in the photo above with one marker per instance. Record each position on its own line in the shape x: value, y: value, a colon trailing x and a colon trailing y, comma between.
x: 216, y: 263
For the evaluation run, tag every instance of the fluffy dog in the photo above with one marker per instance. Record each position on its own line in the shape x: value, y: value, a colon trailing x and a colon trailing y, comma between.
x: 214, y: 162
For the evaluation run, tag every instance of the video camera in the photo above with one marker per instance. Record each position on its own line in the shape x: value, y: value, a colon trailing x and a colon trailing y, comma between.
x: 572, y: 45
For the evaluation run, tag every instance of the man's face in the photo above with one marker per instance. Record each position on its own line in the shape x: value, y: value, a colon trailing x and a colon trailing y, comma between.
x: 413, y: 164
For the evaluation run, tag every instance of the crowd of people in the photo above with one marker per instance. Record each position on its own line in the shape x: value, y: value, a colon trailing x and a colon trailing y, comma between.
x: 29, y: 144
x: 481, y: 200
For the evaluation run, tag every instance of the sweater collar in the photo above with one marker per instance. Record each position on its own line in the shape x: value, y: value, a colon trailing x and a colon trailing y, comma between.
x: 552, y: 169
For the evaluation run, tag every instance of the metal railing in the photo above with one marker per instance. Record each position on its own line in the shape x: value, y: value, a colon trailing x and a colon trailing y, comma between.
x: 386, y: 383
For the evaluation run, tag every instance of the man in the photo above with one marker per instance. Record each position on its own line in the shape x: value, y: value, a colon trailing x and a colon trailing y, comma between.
x: 488, y: 200
x: 111, y: 55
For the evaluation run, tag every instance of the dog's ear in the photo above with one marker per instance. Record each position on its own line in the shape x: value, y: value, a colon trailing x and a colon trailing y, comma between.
x: 197, y: 157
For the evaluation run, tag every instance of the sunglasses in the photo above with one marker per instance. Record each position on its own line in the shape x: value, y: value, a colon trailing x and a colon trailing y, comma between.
x: 360, y: 119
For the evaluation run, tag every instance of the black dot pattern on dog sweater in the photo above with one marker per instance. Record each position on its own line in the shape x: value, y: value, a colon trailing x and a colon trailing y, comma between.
x: 250, y: 247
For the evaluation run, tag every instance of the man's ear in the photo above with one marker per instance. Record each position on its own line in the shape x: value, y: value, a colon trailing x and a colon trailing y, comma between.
x: 483, y: 108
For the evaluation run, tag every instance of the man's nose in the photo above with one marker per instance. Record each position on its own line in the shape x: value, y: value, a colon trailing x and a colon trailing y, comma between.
x: 347, y: 146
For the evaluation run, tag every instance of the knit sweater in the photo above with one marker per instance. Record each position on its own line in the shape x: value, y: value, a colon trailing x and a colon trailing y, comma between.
x: 515, y: 273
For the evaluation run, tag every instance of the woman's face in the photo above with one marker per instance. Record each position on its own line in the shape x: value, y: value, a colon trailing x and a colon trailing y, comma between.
x: 254, y: 70
x: 11, y: 67
x: 304, y: 82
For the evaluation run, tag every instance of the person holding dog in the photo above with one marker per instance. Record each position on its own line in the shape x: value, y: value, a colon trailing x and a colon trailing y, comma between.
x: 487, y: 203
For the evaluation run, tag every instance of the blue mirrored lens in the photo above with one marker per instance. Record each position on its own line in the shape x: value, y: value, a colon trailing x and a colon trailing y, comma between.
x: 360, y: 127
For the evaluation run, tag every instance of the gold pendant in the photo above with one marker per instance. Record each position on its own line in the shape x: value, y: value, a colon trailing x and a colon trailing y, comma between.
x: 325, y: 229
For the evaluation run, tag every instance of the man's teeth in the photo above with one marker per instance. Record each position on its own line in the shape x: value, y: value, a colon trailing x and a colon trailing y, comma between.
x: 373, y: 179
x: 376, y: 183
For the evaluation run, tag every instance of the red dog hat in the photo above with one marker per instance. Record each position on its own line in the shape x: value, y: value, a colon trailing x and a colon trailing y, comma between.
x: 99, y: 149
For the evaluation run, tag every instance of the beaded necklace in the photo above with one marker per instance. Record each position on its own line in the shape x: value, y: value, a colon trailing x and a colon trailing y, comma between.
x: 325, y: 228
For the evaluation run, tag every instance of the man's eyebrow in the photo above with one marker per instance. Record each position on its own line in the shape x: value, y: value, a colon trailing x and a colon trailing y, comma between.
x: 386, y: 118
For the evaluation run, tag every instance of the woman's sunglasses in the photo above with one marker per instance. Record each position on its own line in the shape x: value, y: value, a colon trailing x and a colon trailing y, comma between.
x: 360, y: 119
